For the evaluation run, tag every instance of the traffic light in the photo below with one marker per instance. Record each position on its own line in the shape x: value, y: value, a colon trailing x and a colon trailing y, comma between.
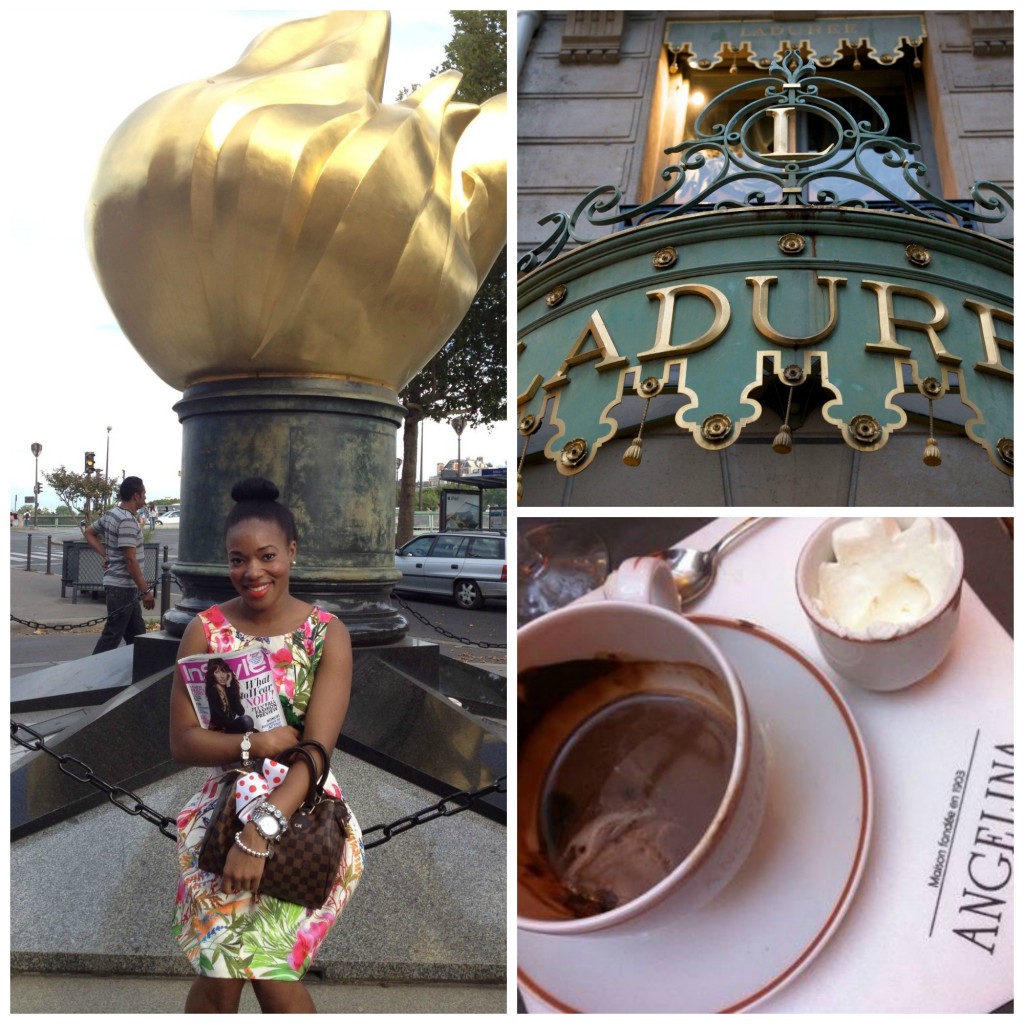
x: 90, y: 463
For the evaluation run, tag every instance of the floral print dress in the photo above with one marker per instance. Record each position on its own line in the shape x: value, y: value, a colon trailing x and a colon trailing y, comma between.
x: 230, y: 935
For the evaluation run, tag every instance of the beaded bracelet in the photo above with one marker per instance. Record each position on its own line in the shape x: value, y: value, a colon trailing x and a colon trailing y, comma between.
x: 252, y: 853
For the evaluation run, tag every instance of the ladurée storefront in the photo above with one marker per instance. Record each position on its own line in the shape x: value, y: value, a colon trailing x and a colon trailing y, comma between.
x: 797, y: 313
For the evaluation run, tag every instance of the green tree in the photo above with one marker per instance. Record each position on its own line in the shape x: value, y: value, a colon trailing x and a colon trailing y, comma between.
x: 427, y: 501
x: 468, y: 376
x: 87, y: 495
x: 478, y: 50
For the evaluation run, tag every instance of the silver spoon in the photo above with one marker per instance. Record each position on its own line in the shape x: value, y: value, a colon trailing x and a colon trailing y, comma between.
x: 694, y: 570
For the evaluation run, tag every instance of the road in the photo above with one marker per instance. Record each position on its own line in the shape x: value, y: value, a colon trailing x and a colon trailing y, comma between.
x: 39, y: 542
x: 467, y: 629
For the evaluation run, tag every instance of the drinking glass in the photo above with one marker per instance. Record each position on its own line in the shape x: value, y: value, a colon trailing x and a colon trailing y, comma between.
x: 558, y: 562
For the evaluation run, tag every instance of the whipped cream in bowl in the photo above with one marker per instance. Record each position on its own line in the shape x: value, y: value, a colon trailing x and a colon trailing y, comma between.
x: 882, y: 596
x: 885, y: 579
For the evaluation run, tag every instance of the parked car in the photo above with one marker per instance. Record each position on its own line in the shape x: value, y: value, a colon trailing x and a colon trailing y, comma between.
x: 467, y: 565
x: 172, y: 518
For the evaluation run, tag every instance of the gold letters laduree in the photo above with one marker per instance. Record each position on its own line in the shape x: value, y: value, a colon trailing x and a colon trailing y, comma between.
x: 595, y: 340
x: 797, y: 31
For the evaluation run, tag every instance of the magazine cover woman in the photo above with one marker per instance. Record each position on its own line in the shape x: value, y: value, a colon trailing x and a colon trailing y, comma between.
x: 227, y: 712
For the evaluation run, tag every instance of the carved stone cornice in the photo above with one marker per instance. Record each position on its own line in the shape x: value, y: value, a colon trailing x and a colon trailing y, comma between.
x: 991, y: 33
x: 592, y: 37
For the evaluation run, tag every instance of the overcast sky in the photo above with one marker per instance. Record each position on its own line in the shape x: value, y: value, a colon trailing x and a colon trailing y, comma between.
x: 70, y: 77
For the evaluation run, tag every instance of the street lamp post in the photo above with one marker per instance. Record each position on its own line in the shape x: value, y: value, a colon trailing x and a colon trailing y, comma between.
x: 106, y: 465
x: 458, y: 425
x: 36, y: 449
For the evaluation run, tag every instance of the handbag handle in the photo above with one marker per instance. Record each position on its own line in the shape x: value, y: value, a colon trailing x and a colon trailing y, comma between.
x: 322, y: 750
x: 317, y: 779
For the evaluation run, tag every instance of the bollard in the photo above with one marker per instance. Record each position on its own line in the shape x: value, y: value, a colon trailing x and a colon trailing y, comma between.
x: 49, y: 553
x: 28, y: 553
x: 165, y: 588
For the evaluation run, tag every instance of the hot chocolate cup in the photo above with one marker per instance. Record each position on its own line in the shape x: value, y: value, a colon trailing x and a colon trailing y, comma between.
x: 642, y: 633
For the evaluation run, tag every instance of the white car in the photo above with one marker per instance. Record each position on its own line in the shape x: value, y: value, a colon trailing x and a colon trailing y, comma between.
x: 172, y: 518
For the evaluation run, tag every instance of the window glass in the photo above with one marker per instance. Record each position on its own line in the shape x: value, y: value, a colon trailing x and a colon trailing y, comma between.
x: 419, y: 546
x: 898, y: 90
x: 448, y: 547
x: 487, y: 547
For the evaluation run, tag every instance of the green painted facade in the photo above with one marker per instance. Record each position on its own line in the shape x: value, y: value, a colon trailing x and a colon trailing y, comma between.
x: 752, y: 293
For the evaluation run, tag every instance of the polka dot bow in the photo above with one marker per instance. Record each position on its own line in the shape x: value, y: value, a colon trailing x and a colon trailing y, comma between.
x: 255, y: 786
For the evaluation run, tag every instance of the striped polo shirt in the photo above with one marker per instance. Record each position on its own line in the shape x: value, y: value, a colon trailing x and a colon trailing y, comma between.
x: 120, y: 529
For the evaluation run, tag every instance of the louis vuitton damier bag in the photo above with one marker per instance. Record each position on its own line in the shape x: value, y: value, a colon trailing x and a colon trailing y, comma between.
x: 305, y: 861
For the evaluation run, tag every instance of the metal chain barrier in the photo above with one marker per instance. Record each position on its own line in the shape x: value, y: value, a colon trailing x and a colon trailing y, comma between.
x: 114, y: 793
x: 444, y: 632
x: 450, y: 805
x: 460, y: 802
x: 43, y: 625
x: 167, y: 577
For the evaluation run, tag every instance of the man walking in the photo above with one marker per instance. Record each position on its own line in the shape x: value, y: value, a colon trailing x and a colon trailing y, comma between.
x: 116, y: 537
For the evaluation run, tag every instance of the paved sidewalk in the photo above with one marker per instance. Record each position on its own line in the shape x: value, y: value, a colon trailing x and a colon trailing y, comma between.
x: 83, y: 993
x: 35, y: 597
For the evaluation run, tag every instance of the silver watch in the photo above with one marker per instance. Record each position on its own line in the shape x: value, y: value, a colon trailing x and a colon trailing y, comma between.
x: 269, y: 822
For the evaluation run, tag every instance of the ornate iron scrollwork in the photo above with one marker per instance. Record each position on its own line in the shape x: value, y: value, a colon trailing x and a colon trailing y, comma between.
x: 722, y: 154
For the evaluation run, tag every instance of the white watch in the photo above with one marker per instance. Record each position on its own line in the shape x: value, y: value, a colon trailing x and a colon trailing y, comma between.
x: 269, y: 821
x: 267, y: 826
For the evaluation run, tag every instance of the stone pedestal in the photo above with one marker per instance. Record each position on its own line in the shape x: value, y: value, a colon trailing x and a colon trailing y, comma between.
x: 329, y: 445
x: 407, y: 716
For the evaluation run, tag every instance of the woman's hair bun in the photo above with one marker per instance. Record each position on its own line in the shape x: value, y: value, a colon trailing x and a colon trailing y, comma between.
x: 256, y: 498
x: 255, y: 488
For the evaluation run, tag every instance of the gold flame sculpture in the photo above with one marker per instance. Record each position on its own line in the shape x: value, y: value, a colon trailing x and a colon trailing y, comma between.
x: 278, y: 219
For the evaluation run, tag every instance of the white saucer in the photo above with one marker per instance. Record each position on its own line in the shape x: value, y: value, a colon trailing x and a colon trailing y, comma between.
x: 785, y: 902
